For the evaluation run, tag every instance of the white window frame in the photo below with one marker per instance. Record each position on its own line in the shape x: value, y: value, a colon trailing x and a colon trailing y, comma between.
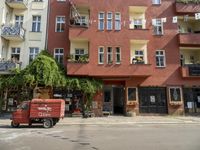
x: 156, y: 2
x: 101, y: 53
x: 109, y: 55
x: 60, y: 23
x: 137, y: 22
x: 101, y: 20
x: 158, y: 56
x: 34, y: 54
x: 19, y: 21
x: 37, y: 22
x: 158, y: 25
x: 109, y: 21
x: 17, y: 51
x: 59, y: 55
x: 79, y: 52
x: 181, y: 93
x: 117, y: 21
x: 116, y: 54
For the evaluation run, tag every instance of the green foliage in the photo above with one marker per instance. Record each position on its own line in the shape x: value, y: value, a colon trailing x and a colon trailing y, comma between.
x: 44, y: 71
x: 188, y: 1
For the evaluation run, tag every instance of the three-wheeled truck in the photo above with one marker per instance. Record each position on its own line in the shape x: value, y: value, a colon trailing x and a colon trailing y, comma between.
x: 44, y: 111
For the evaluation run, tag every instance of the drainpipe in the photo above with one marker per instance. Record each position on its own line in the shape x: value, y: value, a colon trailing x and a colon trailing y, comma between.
x: 47, y: 27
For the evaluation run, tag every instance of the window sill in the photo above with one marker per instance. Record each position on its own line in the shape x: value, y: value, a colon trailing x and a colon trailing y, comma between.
x: 157, y: 67
x: 156, y: 4
x: 138, y: 29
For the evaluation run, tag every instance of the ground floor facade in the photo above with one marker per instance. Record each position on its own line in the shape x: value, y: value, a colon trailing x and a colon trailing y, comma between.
x: 120, y: 98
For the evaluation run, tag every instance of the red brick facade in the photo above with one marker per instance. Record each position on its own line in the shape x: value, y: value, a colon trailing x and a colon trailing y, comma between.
x: 127, y: 74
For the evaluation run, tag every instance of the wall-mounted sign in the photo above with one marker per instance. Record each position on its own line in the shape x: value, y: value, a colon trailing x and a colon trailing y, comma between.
x: 198, y: 99
x: 152, y: 99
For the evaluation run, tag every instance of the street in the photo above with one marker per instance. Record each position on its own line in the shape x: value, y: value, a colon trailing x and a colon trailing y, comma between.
x: 102, y: 137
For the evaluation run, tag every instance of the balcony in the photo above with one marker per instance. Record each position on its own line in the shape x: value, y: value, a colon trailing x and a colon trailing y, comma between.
x: 189, y: 38
x: 88, y: 69
x: 7, y: 66
x: 17, y: 4
x: 187, y: 8
x: 191, y: 71
x: 13, y: 33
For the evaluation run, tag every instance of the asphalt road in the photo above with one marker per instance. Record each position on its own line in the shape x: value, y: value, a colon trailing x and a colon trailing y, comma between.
x: 102, y: 137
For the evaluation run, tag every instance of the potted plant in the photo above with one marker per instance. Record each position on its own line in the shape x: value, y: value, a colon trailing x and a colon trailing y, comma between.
x: 70, y: 58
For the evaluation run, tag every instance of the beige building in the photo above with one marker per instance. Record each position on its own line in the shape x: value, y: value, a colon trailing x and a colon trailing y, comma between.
x: 23, y: 31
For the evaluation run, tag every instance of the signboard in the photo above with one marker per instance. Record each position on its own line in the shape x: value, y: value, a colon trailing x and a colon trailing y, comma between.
x: 189, y: 105
x: 152, y: 99
x: 198, y: 99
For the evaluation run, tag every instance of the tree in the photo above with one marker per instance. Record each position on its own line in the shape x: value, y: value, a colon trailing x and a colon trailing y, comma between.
x: 46, y: 72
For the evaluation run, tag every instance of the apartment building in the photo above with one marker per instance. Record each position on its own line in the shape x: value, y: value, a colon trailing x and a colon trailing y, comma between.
x: 23, y: 32
x: 146, y: 52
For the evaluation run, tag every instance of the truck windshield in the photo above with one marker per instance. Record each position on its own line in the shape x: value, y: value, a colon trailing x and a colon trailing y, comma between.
x: 23, y: 106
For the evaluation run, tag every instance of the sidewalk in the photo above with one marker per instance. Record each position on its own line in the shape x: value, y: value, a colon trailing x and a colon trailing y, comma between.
x: 5, y: 120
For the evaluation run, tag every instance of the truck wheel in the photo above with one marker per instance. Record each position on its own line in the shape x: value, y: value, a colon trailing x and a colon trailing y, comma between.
x: 14, y: 125
x: 47, y: 123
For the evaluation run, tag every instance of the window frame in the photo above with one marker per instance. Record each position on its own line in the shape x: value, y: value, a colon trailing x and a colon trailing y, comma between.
x: 33, y: 54
x: 136, y: 94
x: 15, y: 53
x: 117, y: 21
x: 101, y: 53
x: 109, y: 27
x: 159, y: 56
x: 116, y: 55
x: 59, y: 55
x: 37, y: 23
x: 158, y: 25
x: 109, y: 55
x: 60, y: 23
x: 101, y: 20
x: 156, y: 2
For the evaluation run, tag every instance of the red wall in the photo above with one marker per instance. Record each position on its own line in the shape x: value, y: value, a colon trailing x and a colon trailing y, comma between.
x: 171, y: 75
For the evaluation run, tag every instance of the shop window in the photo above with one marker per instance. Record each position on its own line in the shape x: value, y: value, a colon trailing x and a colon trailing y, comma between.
x: 175, y: 94
x: 132, y: 94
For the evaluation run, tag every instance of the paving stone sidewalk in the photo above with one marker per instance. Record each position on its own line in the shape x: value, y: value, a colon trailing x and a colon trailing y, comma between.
x: 4, y: 120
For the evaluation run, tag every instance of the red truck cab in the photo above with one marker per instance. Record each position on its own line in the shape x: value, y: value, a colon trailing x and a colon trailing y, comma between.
x: 45, y: 111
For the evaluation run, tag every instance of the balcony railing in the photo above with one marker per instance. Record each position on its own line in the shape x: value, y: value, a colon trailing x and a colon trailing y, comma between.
x: 191, y: 70
x: 17, y: 4
x: 7, y: 66
x: 13, y: 33
x: 194, y: 70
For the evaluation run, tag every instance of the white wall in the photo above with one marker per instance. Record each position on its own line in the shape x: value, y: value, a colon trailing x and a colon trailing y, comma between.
x: 32, y: 39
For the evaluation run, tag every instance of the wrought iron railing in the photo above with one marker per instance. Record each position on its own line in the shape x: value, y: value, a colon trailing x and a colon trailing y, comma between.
x: 9, y: 65
x: 9, y: 30
x: 194, y: 69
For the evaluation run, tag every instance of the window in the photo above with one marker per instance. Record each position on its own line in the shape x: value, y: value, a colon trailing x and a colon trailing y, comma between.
x: 107, y: 96
x: 158, y: 26
x: 60, y: 24
x: 117, y: 21
x: 175, y: 93
x: 132, y: 94
x: 36, y: 23
x: 137, y: 23
x: 101, y: 21
x: 101, y: 55
x: 78, y: 53
x: 15, y: 54
x: 34, y: 51
x: 160, y: 58
x: 58, y: 55
x: 82, y: 21
x: 19, y: 20
x: 156, y: 2
x: 118, y: 55
x: 139, y: 57
x: 109, y: 21
x: 38, y: 0
x: 109, y: 55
